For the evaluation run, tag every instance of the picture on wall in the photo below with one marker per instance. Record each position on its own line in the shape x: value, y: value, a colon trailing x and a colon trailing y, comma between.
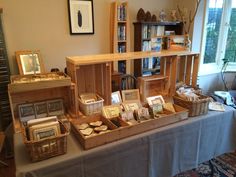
x: 81, y: 16
x: 29, y: 62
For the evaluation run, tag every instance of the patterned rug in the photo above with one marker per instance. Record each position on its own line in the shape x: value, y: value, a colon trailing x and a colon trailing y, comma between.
x: 221, y: 166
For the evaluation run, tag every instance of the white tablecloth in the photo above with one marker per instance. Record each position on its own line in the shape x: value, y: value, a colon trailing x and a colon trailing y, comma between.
x: 162, y: 152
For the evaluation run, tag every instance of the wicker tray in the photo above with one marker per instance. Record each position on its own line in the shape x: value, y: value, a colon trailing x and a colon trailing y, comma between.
x: 47, y: 148
x: 195, y: 108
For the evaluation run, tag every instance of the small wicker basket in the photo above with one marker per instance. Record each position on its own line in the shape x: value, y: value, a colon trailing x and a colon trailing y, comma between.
x: 195, y: 108
x: 47, y: 148
x: 91, y: 108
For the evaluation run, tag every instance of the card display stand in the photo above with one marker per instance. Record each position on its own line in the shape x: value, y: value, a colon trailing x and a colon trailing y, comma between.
x: 117, y: 133
x: 20, y: 94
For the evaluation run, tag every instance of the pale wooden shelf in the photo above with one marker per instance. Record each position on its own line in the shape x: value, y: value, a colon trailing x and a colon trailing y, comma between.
x: 104, y: 58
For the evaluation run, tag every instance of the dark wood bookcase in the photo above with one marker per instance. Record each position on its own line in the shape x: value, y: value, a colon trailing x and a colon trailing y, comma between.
x: 143, y: 32
x: 5, y: 111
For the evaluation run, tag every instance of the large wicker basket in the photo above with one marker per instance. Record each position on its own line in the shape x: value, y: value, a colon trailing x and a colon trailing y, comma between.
x: 195, y: 108
x: 47, y: 148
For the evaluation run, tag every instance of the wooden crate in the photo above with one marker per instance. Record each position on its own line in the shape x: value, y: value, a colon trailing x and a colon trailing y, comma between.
x: 152, y: 85
x: 125, y: 131
x: 18, y: 95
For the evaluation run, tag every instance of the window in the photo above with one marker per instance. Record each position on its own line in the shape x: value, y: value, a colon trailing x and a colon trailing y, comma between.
x: 219, y: 37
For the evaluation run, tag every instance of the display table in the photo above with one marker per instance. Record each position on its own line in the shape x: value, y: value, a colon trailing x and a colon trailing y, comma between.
x: 162, y: 152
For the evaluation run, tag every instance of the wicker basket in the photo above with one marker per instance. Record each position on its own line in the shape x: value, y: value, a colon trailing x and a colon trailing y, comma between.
x: 91, y: 108
x: 47, y: 148
x: 195, y: 108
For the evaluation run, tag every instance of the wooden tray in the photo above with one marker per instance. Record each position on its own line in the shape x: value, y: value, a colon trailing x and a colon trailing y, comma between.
x: 125, y: 131
x: 24, y: 83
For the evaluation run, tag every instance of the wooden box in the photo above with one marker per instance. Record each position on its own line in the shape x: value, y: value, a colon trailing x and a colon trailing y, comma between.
x: 21, y: 83
x: 24, y: 93
x: 152, y: 85
x: 126, y: 130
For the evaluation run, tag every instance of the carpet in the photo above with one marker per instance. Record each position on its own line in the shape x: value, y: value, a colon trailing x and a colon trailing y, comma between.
x: 221, y: 166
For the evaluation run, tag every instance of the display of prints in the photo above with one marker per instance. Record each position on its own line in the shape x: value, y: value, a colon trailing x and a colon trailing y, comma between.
x: 55, y: 107
x: 26, y: 112
x: 41, y: 109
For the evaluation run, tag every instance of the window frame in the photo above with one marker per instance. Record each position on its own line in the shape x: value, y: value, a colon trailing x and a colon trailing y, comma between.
x: 211, y: 68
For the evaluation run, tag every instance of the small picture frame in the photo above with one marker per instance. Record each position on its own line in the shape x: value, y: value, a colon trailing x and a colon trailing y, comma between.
x: 55, y: 107
x: 127, y: 115
x: 41, y: 109
x: 81, y: 16
x: 29, y: 62
x: 155, y: 100
x: 130, y: 96
x: 110, y: 112
x: 26, y: 112
x: 142, y: 113
x: 116, y: 98
x: 157, y: 109
x: 178, y: 42
x: 44, y: 131
x: 131, y: 106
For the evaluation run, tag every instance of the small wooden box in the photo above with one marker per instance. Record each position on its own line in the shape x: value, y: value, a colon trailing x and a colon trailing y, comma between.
x: 152, y: 85
x: 24, y: 83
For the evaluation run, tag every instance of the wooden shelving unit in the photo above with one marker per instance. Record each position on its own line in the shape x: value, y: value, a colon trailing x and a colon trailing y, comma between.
x: 5, y: 112
x: 99, y: 68
x: 120, y: 34
x: 143, y: 32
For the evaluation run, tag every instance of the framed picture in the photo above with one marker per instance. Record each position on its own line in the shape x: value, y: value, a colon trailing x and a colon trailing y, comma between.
x: 130, y: 95
x: 127, y: 115
x: 41, y: 109
x: 132, y: 106
x: 116, y: 98
x: 55, y: 107
x: 45, y: 130
x: 29, y: 62
x: 111, y: 111
x: 26, y: 112
x: 81, y: 16
x: 142, y: 113
x: 178, y: 42
x: 155, y: 100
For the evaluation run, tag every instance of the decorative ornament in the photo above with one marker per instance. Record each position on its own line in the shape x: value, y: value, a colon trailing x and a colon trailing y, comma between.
x: 148, y: 16
x: 173, y: 15
x: 154, y: 18
x: 140, y: 15
x: 162, y: 16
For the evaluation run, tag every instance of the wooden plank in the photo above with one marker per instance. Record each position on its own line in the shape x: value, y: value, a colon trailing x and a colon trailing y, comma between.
x: 173, y: 75
x: 162, y: 66
x: 188, y: 70
x: 103, y: 58
x: 168, y: 73
x: 181, y: 71
x: 195, y: 70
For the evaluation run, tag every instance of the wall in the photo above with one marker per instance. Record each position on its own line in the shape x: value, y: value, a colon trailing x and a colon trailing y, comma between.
x: 43, y: 25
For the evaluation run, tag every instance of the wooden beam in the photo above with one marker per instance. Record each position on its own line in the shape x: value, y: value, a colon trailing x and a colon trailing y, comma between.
x: 104, y: 58
x: 195, y: 70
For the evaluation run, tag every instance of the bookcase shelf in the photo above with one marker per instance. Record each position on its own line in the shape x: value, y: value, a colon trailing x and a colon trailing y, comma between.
x: 120, y: 34
x: 143, y: 34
